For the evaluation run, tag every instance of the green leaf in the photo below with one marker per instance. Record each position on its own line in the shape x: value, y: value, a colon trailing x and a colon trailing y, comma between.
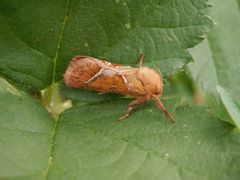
x: 230, y: 106
x: 24, y: 65
x: 198, y: 146
x: 39, y: 38
x: 26, y: 132
x: 217, y: 58
x: 88, y: 143
x: 238, y: 3
x: 6, y: 88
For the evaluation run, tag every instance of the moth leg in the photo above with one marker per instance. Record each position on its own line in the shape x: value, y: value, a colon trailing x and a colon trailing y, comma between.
x: 141, y: 59
x: 160, y: 106
x: 130, y: 107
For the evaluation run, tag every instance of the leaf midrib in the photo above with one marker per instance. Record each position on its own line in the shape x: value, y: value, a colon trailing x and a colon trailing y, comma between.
x: 50, y: 158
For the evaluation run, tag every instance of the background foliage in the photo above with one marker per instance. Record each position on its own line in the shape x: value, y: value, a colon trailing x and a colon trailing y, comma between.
x: 39, y: 38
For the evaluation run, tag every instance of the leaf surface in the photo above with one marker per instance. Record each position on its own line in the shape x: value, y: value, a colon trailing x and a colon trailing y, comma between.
x: 218, y: 57
x: 26, y: 132
x: 88, y: 143
x: 92, y: 144
x: 40, y: 38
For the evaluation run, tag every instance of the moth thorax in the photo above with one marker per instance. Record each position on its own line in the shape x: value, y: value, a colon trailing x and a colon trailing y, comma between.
x: 151, y: 79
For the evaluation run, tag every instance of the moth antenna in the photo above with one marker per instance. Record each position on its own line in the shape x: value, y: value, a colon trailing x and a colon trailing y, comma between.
x: 141, y: 59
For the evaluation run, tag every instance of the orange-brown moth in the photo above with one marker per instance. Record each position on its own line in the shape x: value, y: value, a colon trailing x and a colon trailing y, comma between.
x: 142, y: 83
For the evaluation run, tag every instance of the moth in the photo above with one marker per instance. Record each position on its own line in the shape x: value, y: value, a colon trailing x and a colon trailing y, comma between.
x: 141, y: 83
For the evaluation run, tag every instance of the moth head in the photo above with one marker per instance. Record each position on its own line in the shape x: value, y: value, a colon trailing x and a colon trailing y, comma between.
x: 151, y: 80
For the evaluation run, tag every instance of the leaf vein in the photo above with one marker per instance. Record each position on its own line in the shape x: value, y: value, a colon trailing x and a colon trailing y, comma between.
x: 50, y: 160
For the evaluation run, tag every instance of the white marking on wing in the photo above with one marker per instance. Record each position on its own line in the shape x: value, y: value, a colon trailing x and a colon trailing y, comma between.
x: 94, y: 77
